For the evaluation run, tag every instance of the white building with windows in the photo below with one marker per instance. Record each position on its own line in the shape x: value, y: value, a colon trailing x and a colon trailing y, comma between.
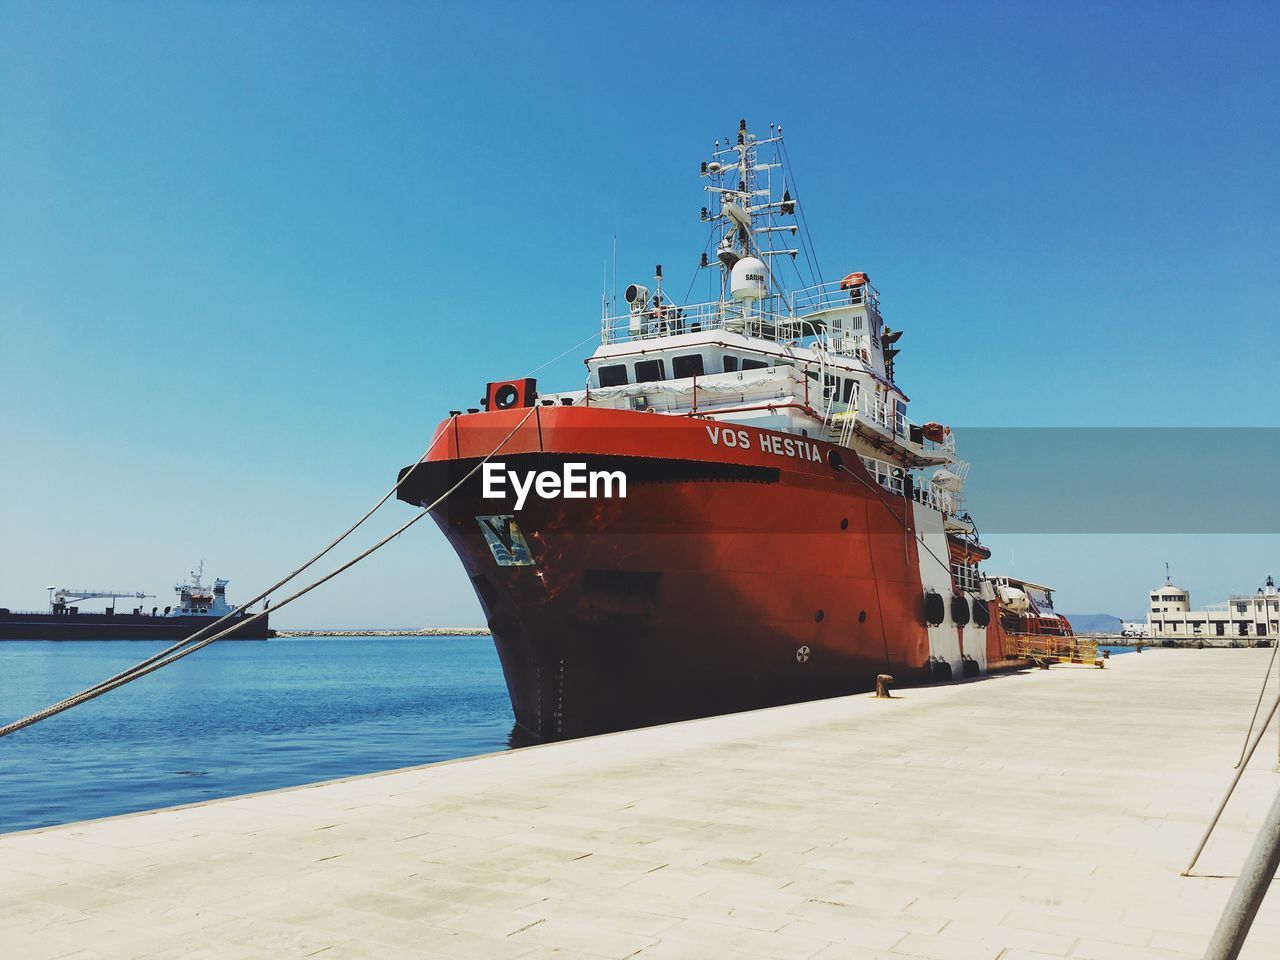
x: 1246, y: 618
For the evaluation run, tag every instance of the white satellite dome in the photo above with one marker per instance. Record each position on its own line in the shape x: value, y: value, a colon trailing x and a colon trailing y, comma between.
x: 749, y: 279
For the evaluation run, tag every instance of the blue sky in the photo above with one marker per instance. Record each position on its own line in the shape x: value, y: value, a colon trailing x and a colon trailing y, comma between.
x: 250, y: 254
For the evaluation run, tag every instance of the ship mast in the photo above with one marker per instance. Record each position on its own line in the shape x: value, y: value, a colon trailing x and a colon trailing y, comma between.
x: 746, y: 210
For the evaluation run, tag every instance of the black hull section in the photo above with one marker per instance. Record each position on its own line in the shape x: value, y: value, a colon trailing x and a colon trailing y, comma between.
x: 574, y: 682
x: 121, y: 626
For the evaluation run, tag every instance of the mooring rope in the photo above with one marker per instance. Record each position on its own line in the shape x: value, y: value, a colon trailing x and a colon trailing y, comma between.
x: 187, y: 646
x: 1235, y: 781
x: 906, y: 527
x: 208, y: 628
x: 1258, y: 706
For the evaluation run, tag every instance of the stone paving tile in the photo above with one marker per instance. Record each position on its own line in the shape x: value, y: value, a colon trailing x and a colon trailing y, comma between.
x: 1026, y: 817
x: 1009, y: 938
x: 645, y: 922
x: 560, y: 953
x: 687, y: 950
x: 759, y: 943
x: 464, y: 945
x: 1087, y: 949
x: 944, y: 948
x: 1044, y: 921
x: 843, y: 951
x: 843, y: 931
x: 599, y: 941
x: 34, y: 947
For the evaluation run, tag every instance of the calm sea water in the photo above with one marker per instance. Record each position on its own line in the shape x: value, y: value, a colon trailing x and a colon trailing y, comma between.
x: 237, y: 717
x: 1116, y: 651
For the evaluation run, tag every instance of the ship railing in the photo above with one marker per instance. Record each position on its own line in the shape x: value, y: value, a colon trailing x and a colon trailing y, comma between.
x: 776, y: 317
x: 947, y: 446
x: 668, y: 320
x: 886, y: 419
x: 1049, y: 648
x: 832, y: 296
x: 45, y: 613
x: 887, y: 475
x: 935, y: 498
x: 966, y: 576
x: 869, y: 408
x: 768, y: 318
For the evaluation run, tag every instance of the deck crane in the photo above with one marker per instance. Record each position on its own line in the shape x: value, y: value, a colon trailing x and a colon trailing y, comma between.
x: 59, y: 597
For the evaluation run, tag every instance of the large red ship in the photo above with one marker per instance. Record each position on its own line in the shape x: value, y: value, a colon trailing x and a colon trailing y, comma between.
x: 735, y: 512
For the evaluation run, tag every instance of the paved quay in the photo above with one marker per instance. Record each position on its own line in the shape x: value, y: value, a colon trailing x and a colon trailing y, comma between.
x: 1022, y: 817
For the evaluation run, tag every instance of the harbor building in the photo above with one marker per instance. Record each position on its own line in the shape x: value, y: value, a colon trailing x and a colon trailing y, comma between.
x: 1247, y: 617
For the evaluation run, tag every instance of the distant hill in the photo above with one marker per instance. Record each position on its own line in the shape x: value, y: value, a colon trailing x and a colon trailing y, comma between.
x: 1093, y: 622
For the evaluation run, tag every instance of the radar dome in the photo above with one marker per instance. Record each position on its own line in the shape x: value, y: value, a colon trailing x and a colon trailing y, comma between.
x: 748, y: 280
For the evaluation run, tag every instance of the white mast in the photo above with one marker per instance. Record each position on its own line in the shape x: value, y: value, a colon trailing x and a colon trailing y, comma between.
x: 746, y: 210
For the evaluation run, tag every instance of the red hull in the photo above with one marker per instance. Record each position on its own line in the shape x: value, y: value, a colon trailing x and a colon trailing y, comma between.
x: 727, y: 579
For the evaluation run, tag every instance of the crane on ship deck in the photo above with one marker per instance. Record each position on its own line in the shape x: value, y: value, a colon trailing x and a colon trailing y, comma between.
x: 60, y: 597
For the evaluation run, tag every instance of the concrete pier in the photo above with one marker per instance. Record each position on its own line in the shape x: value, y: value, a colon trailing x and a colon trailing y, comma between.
x: 1022, y: 817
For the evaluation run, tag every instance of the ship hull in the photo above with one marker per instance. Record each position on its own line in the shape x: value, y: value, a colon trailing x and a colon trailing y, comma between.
x: 120, y: 626
x: 728, y: 578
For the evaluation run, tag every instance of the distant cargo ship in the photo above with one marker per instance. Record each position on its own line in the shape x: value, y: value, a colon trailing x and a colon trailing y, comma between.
x: 197, y: 607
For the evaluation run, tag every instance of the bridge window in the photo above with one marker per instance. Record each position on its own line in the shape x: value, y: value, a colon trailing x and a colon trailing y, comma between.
x: 687, y: 366
x: 613, y: 376
x: 850, y: 387
x: 730, y: 364
x: 754, y: 365
x: 649, y: 371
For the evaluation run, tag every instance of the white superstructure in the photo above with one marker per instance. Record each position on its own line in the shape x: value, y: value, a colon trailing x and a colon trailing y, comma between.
x: 811, y: 359
x: 196, y: 599
x: 1242, y: 618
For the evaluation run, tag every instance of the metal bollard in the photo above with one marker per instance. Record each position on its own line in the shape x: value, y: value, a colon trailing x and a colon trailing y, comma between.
x: 882, y: 687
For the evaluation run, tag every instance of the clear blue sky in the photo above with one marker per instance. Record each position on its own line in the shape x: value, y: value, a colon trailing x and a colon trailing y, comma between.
x: 250, y: 254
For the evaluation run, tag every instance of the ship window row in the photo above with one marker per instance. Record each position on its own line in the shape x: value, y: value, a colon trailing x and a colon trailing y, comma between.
x: 683, y: 366
x: 1220, y: 627
x: 843, y: 388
